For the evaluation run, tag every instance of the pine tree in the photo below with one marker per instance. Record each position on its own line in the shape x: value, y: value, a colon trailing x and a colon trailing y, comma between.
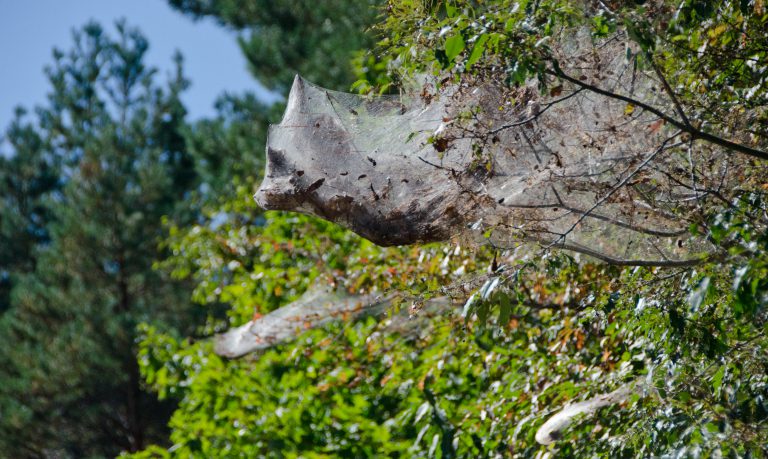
x: 281, y: 38
x: 28, y: 176
x: 229, y: 145
x: 70, y: 385
x: 278, y: 39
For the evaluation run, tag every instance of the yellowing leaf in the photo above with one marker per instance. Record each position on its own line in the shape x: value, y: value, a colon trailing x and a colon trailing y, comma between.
x: 717, y: 31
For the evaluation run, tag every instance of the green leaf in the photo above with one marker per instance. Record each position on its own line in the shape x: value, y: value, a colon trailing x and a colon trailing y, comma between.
x: 490, y: 285
x: 483, y: 312
x: 454, y: 46
x: 505, y: 309
x: 442, y: 58
x: 739, y: 276
x: 640, y: 33
x: 717, y: 380
x: 423, y: 409
x: 677, y: 321
x: 468, y: 305
x: 477, y: 50
x: 697, y: 296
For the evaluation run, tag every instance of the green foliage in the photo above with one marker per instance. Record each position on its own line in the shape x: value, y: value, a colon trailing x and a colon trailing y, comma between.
x: 229, y: 145
x: 27, y: 177
x: 282, y: 38
x: 110, y: 170
x: 542, y: 331
x: 712, y: 53
x: 92, y: 179
x: 554, y: 331
x: 286, y: 255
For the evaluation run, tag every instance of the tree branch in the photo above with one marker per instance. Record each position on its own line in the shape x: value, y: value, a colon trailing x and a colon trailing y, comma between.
x: 618, y: 186
x: 547, y: 106
x: 625, y: 261
x: 315, y: 308
x: 553, y: 429
x: 668, y: 88
x: 687, y: 128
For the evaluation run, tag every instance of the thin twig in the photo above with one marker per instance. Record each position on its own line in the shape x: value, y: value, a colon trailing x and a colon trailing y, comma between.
x: 689, y: 129
x: 617, y: 187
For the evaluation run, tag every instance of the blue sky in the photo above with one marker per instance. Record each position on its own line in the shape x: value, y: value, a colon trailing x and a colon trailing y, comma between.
x: 29, y: 30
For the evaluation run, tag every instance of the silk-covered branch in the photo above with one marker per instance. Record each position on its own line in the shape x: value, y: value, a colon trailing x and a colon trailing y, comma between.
x: 552, y: 430
x: 314, y: 309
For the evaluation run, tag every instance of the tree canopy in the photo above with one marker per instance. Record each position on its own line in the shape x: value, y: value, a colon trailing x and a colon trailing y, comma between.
x: 88, y: 183
x: 682, y: 348
x: 147, y: 255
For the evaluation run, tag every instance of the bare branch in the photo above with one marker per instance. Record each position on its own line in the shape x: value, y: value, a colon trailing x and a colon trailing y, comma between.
x: 628, y: 261
x: 532, y: 118
x: 669, y: 90
x: 618, y: 186
x: 687, y: 128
